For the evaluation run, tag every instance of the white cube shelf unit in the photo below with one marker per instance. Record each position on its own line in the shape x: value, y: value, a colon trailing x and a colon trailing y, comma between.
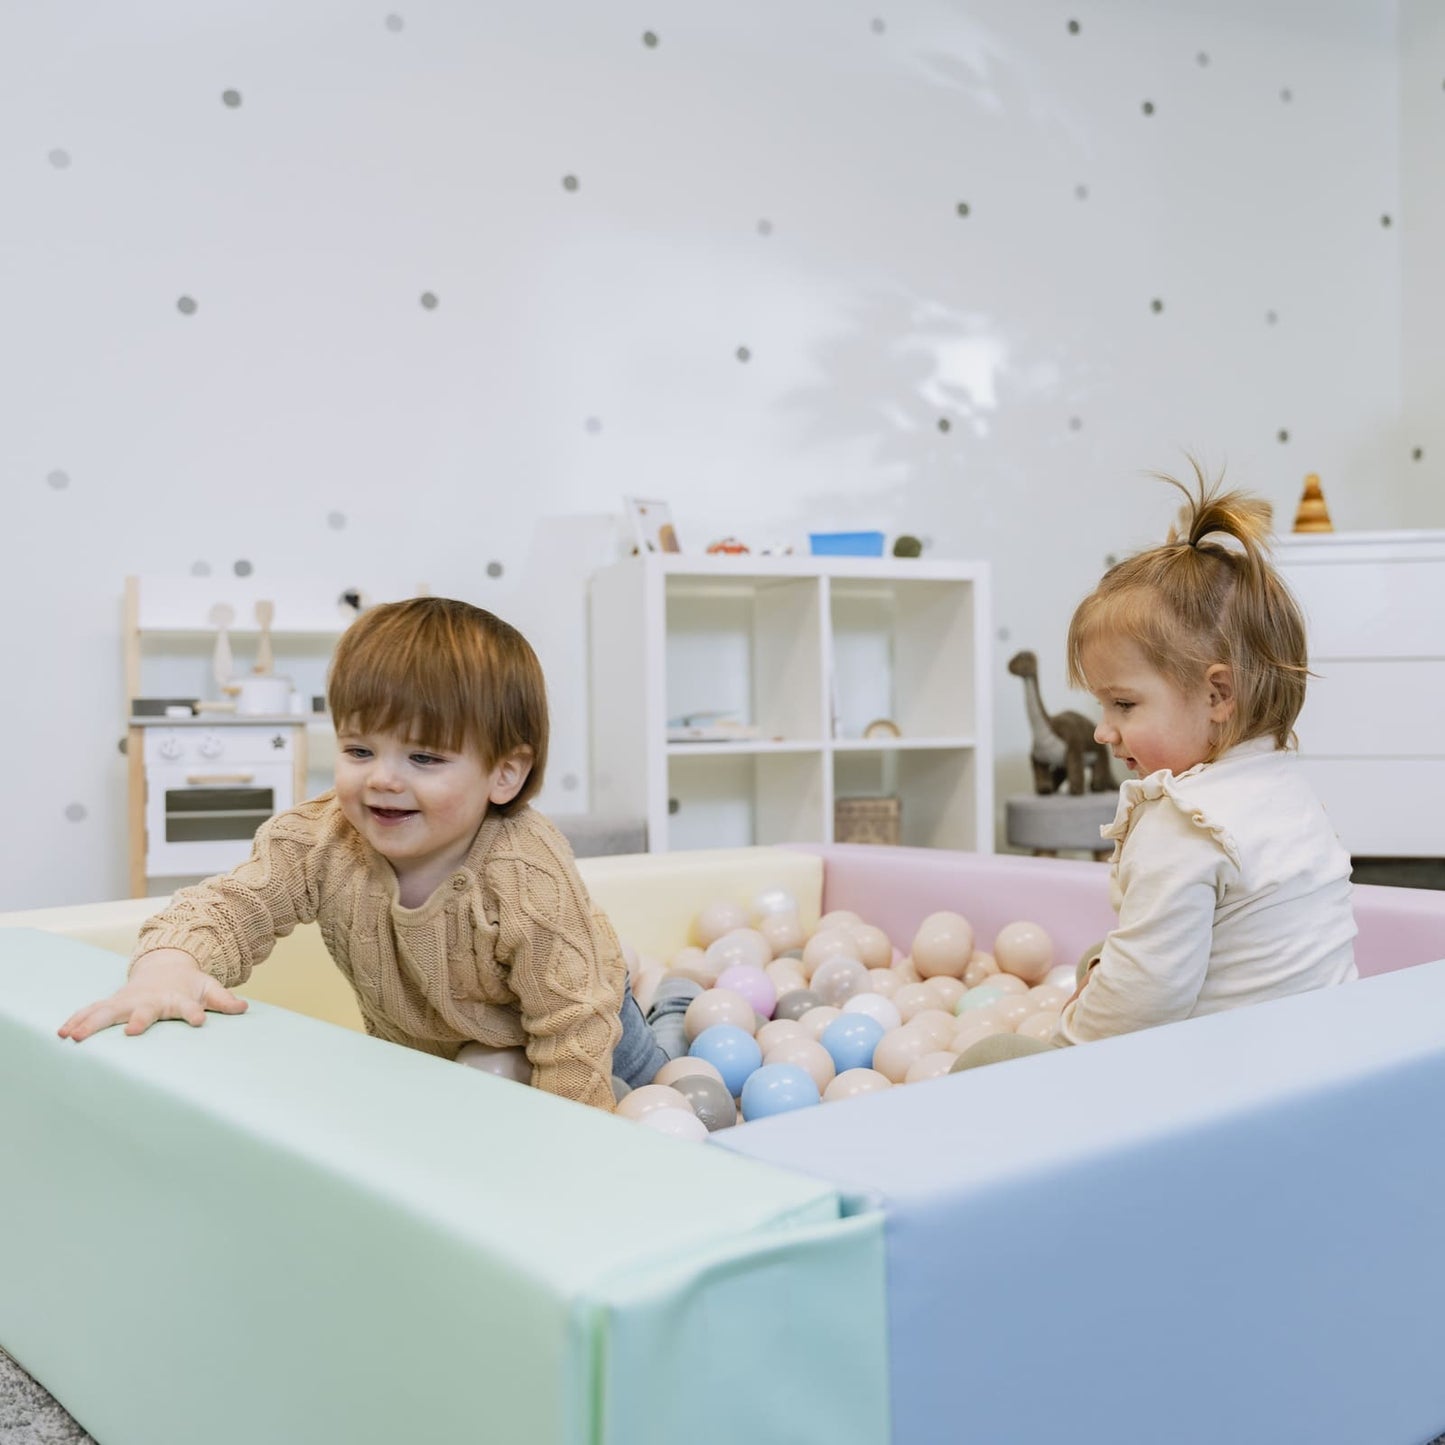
x: 1370, y: 734
x: 809, y: 651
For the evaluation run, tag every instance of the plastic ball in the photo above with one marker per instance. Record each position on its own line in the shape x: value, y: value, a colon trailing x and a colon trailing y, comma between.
x: 945, y: 991
x: 741, y: 945
x: 808, y: 1055
x: 981, y: 967
x: 912, y: 998
x: 1039, y: 1026
x: 773, y: 900
x: 978, y: 997
x: 686, y: 1067
x: 786, y: 975
x: 795, y: 1004
x: 709, y: 1099
x: 732, y: 1051
x: 931, y: 1066
x: 504, y: 1063
x: 675, y: 1123
x: 851, y: 1040
x: 1064, y: 976
x: 649, y: 1097
x: 975, y: 1026
x: 817, y: 1019
x: 943, y: 944
x: 854, y: 1083
x: 717, y: 919
x: 1013, y: 1009
x: 644, y: 987
x: 1007, y: 983
x: 694, y: 963
x: 843, y: 918
x: 874, y: 948
x: 782, y: 931
x: 905, y: 971
x: 825, y: 944
x: 776, y: 1030
x: 885, y: 981
x: 837, y: 979
x: 778, y: 1089
x: 717, y: 1006
x: 898, y: 1050
x: 753, y: 984
x: 1046, y: 997
x: 935, y: 1025
x: 1024, y: 950
x: 620, y: 1089
x: 630, y: 957
x: 875, y: 1006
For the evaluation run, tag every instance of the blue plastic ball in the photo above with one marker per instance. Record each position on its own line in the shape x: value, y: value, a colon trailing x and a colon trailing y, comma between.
x: 851, y: 1039
x: 778, y: 1089
x: 732, y: 1051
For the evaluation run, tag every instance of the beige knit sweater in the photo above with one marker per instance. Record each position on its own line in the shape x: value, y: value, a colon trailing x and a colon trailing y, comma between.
x: 509, y: 950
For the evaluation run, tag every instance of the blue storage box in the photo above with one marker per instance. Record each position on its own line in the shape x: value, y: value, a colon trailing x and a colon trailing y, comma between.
x: 845, y: 544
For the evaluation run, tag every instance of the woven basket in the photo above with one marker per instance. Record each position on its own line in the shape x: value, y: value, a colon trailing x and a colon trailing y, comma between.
x: 868, y: 820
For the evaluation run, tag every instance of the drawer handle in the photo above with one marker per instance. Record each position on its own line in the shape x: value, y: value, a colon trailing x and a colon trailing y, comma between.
x: 199, y: 779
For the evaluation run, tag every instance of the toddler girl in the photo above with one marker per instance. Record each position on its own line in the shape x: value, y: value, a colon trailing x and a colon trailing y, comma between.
x: 453, y: 908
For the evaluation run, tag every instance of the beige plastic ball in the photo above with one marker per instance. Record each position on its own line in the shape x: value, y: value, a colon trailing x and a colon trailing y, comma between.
x: 981, y: 967
x: 1006, y: 983
x: 717, y: 919
x: 782, y: 931
x: 817, y: 1019
x: 825, y: 944
x: 945, y: 990
x: 898, y: 1050
x: 693, y: 963
x: 935, y: 1025
x: 1024, y: 950
x: 630, y: 956
x: 943, y: 944
x: 786, y: 975
x: 907, y: 970
x: 771, y: 901
x: 884, y: 981
x: 1013, y: 1009
x: 913, y: 998
x: 1064, y: 976
x: 718, y: 1006
x: 675, y: 1123
x: 874, y: 948
x: 972, y: 1028
x: 649, y: 1097
x: 1046, y: 997
x: 644, y: 987
x: 843, y: 918
x: 931, y: 1066
x: 854, y: 1083
x: 504, y: 1063
x: 1039, y: 1026
x: 807, y: 1054
x: 684, y: 1067
x: 837, y: 979
x: 739, y: 946
x: 775, y: 1031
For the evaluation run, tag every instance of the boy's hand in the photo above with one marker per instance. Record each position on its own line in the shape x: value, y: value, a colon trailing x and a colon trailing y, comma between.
x: 164, y: 984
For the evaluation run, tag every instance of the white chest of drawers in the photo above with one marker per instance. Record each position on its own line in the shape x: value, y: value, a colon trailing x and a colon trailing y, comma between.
x: 1372, y: 732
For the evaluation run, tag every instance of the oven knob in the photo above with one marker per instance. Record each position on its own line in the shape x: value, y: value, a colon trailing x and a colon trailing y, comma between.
x: 210, y: 746
x: 170, y: 748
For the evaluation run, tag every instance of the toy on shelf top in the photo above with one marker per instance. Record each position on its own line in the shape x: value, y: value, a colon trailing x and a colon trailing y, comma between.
x: 1313, y: 515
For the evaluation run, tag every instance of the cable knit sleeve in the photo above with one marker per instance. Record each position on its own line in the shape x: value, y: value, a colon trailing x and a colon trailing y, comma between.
x: 231, y: 922
x: 563, y: 959
x: 1172, y: 867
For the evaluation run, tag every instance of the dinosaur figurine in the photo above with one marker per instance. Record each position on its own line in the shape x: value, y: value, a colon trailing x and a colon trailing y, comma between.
x: 1063, y: 742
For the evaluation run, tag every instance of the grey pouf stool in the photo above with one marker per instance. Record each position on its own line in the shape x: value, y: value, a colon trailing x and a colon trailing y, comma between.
x: 594, y: 834
x: 1051, y: 823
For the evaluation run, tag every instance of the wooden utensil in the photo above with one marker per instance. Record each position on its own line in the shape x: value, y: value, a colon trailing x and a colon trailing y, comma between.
x: 221, y: 616
x: 265, y: 612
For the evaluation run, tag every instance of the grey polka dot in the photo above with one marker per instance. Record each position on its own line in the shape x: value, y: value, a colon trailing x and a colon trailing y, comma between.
x: 962, y: 208
x: 673, y: 807
x: 649, y: 39
x: 743, y: 354
x: 1156, y: 305
x: 569, y: 782
x: 570, y: 183
x: 200, y: 569
x: 231, y: 98
x: 60, y: 159
x: 944, y: 425
x: 765, y: 227
x: 1004, y: 634
x: 394, y: 23
x: 336, y: 520
x: 429, y: 300
x: 1081, y: 192
x: 1271, y: 317
x: 58, y: 480
x: 593, y: 425
x: 1418, y: 454
x: 494, y: 569
x: 878, y: 27
x: 75, y: 812
x: 1286, y: 95
x: 1202, y: 58
x: 1111, y: 559
x: 1076, y: 423
x: 1386, y: 221
x: 122, y: 746
x: 1074, y: 27
x: 1147, y: 107
x: 242, y: 568
x: 186, y: 306
x: 1282, y: 435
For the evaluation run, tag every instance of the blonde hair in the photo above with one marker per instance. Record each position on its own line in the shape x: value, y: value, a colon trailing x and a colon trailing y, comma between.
x: 445, y: 673
x: 1195, y: 602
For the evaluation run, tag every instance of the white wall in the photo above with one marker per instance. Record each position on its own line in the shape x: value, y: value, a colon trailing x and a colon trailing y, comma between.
x: 777, y: 176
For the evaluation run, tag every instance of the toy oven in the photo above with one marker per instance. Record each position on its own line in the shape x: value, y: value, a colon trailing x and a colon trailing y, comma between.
x: 209, y: 789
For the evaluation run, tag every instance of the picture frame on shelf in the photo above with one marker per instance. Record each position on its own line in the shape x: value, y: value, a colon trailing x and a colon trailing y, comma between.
x: 652, y: 528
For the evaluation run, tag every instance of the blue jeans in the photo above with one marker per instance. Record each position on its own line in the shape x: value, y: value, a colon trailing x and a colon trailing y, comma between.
x: 648, y: 1043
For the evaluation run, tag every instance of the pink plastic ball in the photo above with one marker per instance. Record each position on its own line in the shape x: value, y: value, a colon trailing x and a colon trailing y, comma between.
x: 854, y: 1083
x: 753, y: 984
x: 1024, y: 950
